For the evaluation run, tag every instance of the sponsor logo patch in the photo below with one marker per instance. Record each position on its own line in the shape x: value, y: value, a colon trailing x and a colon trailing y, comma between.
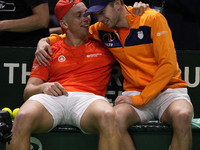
x: 35, y: 67
x: 93, y: 55
x: 161, y: 33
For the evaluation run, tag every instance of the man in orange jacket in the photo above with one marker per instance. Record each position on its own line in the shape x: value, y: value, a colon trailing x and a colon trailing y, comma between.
x: 144, y: 48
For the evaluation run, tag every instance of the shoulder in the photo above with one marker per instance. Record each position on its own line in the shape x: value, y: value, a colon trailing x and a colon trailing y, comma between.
x: 150, y: 14
x: 57, y: 46
x: 95, y: 45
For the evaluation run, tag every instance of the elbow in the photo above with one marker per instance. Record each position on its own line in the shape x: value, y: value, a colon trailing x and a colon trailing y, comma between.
x: 44, y: 23
x: 175, y: 68
x: 41, y: 21
x: 26, y: 94
x: 41, y: 24
x: 25, y: 97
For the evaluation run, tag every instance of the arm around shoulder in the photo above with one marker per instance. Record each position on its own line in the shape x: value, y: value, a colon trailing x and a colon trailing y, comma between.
x: 55, y: 38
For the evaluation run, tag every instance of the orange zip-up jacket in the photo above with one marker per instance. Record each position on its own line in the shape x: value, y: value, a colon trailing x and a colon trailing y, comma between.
x: 146, y: 54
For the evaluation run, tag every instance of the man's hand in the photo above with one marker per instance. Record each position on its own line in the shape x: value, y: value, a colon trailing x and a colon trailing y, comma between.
x: 139, y: 8
x: 41, y: 54
x: 54, y: 89
x: 123, y: 99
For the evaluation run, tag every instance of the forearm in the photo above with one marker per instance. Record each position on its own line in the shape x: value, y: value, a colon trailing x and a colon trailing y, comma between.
x: 50, y: 88
x: 31, y: 90
x: 21, y: 25
x: 56, y: 30
x: 39, y: 19
x: 160, y: 80
x: 34, y: 86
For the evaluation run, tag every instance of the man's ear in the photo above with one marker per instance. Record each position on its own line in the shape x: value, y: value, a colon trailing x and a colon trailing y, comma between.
x: 117, y: 4
x: 118, y: 1
x: 63, y: 24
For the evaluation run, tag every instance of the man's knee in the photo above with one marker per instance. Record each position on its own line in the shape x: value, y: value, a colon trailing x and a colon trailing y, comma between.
x: 182, y: 118
x: 23, y: 122
x: 98, y: 116
x: 107, y: 117
x: 120, y: 115
x: 18, y: 123
x: 126, y: 116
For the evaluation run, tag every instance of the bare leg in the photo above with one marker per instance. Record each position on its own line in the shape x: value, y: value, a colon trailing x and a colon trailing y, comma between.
x: 126, y: 116
x: 179, y: 115
x: 32, y: 117
x: 100, y: 118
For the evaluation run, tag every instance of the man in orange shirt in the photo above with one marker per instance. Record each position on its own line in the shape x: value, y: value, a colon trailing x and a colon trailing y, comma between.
x: 144, y: 48
x: 71, y: 90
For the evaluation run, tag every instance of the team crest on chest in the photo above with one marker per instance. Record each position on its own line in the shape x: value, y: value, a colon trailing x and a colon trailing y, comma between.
x: 61, y: 58
x: 140, y: 34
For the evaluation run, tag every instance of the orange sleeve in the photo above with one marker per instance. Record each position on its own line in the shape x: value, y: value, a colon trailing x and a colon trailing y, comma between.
x: 39, y: 71
x: 165, y: 53
x: 55, y: 38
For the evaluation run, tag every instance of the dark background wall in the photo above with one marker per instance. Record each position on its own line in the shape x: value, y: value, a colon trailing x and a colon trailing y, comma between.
x: 15, y: 70
x: 183, y: 17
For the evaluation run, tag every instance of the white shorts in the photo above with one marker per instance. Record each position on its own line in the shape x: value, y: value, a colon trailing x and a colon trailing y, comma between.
x: 156, y: 107
x: 67, y: 109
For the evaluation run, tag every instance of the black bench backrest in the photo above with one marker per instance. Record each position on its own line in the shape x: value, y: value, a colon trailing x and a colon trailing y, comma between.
x: 16, y: 63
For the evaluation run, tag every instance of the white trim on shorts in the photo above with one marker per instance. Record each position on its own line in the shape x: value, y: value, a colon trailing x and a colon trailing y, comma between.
x: 67, y: 109
x: 156, y: 107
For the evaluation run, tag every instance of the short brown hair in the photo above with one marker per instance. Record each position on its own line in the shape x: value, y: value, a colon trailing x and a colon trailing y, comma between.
x: 112, y: 3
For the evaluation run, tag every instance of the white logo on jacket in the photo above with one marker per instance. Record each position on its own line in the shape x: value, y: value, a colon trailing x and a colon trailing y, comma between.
x: 161, y: 33
x: 140, y: 35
